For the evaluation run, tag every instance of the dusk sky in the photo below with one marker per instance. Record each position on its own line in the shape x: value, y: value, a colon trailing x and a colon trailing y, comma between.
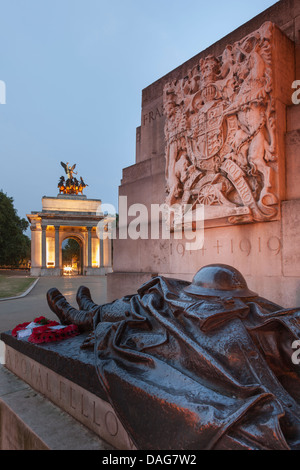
x: 74, y: 71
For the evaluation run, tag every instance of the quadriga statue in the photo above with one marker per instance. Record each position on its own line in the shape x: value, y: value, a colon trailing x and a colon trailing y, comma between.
x: 201, y: 365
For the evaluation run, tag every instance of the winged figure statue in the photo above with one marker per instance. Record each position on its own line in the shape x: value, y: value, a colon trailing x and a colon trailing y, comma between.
x: 69, y: 169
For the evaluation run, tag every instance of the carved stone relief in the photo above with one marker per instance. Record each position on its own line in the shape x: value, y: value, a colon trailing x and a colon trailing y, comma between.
x: 220, y: 133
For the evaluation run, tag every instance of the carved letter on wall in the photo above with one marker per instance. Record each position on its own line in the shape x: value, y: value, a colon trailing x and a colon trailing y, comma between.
x: 220, y: 134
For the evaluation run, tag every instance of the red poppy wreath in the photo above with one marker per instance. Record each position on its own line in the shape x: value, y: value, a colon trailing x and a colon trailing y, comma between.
x: 42, y: 330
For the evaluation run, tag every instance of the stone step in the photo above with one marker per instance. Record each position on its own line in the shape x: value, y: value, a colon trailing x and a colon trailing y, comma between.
x: 28, y: 421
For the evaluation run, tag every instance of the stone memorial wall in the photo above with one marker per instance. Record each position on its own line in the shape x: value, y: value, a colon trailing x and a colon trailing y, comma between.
x: 221, y: 131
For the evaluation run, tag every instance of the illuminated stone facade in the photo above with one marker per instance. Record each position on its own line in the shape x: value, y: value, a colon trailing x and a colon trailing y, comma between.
x: 64, y: 217
x: 223, y: 130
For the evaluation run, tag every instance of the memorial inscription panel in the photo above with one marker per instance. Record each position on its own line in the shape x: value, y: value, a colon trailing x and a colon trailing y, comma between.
x: 90, y: 410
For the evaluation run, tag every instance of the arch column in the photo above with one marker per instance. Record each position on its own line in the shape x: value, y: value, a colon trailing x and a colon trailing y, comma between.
x: 89, y: 258
x: 44, y: 247
x: 57, y: 249
x: 36, y: 251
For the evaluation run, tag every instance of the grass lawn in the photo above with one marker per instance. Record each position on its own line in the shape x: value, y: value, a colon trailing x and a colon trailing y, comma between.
x: 11, y: 286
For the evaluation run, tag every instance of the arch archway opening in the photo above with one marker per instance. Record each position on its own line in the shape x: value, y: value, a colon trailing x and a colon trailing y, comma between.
x: 72, y: 256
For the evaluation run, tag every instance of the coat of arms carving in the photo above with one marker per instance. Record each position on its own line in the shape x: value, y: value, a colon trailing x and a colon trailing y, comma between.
x: 220, y: 133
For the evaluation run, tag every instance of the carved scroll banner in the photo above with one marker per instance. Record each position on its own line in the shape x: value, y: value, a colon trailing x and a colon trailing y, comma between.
x: 224, y: 129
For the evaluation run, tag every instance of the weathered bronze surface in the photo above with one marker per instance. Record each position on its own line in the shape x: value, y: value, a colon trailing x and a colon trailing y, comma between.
x: 206, y: 365
x: 66, y: 358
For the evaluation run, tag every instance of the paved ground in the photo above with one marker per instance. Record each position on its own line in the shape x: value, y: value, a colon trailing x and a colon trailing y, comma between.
x: 13, y: 312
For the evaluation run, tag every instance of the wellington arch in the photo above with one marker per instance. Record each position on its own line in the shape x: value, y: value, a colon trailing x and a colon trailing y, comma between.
x: 69, y: 215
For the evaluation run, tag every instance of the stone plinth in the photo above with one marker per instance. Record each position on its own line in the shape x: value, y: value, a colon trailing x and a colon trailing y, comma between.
x: 65, y: 375
x: 28, y: 421
x: 71, y: 203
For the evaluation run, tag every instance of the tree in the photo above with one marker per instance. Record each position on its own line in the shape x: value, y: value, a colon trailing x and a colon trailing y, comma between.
x: 14, y: 244
x: 71, y: 251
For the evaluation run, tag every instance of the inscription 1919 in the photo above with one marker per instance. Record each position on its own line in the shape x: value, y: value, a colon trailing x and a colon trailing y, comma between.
x: 244, y: 246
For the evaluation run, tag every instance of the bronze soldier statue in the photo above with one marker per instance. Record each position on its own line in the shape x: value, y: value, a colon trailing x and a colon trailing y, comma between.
x: 200, y: 365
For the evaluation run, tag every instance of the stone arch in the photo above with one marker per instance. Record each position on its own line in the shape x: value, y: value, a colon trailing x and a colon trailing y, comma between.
x: 68, y: 217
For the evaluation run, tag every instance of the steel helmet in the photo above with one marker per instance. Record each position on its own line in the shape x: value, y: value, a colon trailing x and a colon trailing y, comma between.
x: 219, y: 280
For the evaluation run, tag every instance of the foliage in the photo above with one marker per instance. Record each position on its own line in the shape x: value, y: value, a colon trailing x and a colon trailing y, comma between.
x: 14, y: 244
x: 71, y: 251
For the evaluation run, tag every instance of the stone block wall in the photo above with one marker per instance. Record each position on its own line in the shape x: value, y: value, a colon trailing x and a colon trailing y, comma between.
x: 266, y: 251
